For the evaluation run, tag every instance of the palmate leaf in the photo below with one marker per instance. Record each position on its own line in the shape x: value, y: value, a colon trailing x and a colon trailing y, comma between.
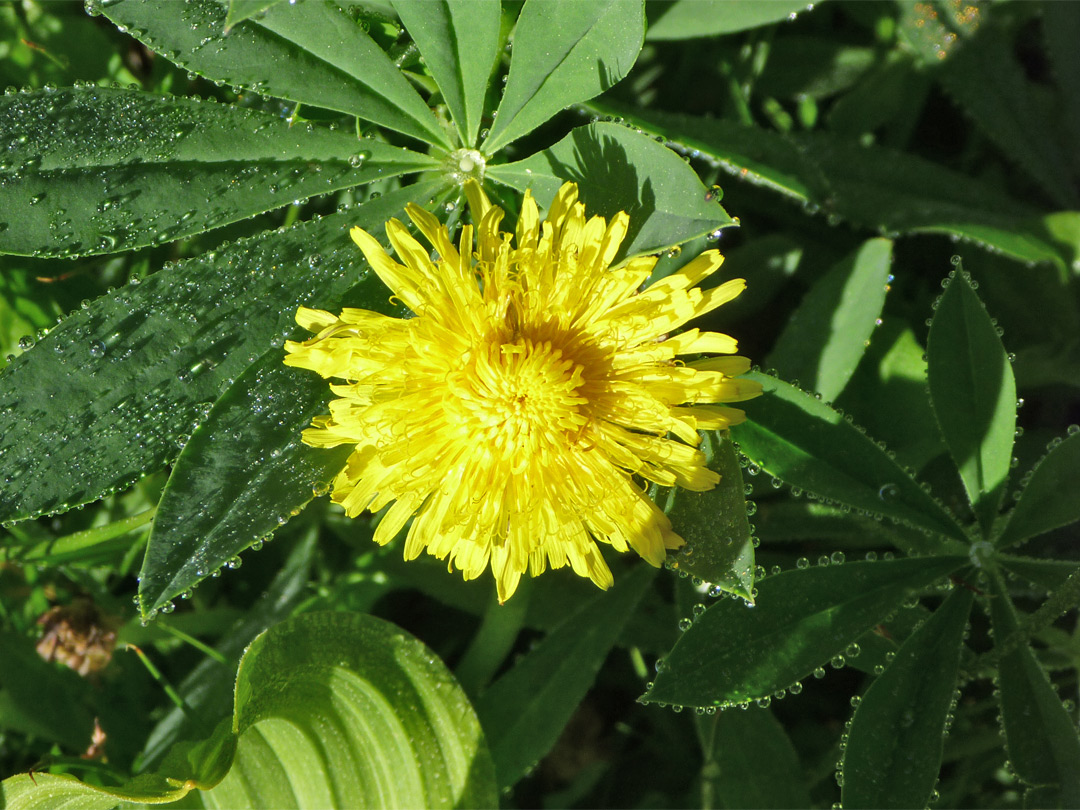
x: 806, y: 443
x: 973, y: 394
x: 145, y: 363
x: 617, y: 169
x: 99, y: 170
x: 803, y: 618
x: 829, y: 332
x: 334, y: 710
x: 564, y: 53
x: 459, y: 40
x: 894, y: 746
x: 874, y: 187
x: 311, y: 52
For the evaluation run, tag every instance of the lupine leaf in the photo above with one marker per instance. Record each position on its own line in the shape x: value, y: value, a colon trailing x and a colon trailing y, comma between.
x: 145, y: 363
x: 1042, y: 506
x: 973, y: 393
x: 719, y: 543
x: 564, y: 53
x: 526, y: 709
x: 894, y: 746
x: 311, y: 52
x: 870, y: 186
x: 617, y: 169
x: 1040, y: 736
x: 335, y: 710
x: 459, y: 40
x: 806, y: 443
x: 803, y: 618
x: 829, y: 332
x: 686, y: 19
x: 99, y: 170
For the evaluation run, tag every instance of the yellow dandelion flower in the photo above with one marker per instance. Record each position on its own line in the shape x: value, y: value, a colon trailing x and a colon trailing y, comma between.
x: 517, y: 417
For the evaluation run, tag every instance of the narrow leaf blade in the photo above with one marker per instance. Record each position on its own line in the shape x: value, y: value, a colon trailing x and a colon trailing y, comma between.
x: 734, y: 654
x: 564, y: 53
x: 894, y: 747
x: 459, y: 40
x: 100, y: 170
x: 312, y: 53
x: 1040, y: 736
x: 829, y: 332
x: 1041, y: 506
x: 689, y: 19
x: 806, y: 443
x: 617, y: 169
x: 973, y: 393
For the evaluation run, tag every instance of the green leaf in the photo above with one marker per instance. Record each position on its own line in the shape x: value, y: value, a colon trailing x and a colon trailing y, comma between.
x: 894, y: 746
x: 986, y: 79
x: 243, y: 473
x: 1046, y: 574
x: 99, y: 170
x: 146, y: 362
x: 688, y: 19
x: 240, y: 10
x: 617, y: 169
x: 719, y: 544
x: 750, y: 761
x: 564, y: 53
x: 1040, y: 736
x: 1042, y: 506
x: 803, y: 618
x: 829, y: 332
x: 311, y: 52
x: 459, y: 40
x: 331, y: 710
x: 973, y: 394
x: 526, y: 709
x: 801, y: 440
x: 870, y: 186
x: 42, y: 698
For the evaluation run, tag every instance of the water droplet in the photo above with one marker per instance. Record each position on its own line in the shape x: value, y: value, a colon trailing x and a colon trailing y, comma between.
x: 97, y: 349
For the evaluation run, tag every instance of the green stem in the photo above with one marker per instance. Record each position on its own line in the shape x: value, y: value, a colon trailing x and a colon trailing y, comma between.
x: 72, y: 544
x: 194, y: 642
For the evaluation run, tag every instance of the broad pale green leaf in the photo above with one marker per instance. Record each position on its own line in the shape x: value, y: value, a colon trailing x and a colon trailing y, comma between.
x: 750, y: 761
x: 719, y: 546
x: 986, y: 79
x: 1040, y: 736
x: 242, y: 474
x: 459, y: 40
x: 894, y: 745
x: 1042, y: 505
x: 146, y: 362
x: 687, y: 19
x: 973, y: 394
x: 871, y: 186
x: 311, y: 52
x: 564, y: 53
x: 617, y: 169
x: 337, y: 710
x: 803, y: 618
x: 806, y: 443
x: 829, y: 332
x: 99, y: 170
x: 526, y: 709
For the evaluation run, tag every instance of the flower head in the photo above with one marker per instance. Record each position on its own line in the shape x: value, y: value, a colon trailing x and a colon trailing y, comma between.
x: 517, y: 417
